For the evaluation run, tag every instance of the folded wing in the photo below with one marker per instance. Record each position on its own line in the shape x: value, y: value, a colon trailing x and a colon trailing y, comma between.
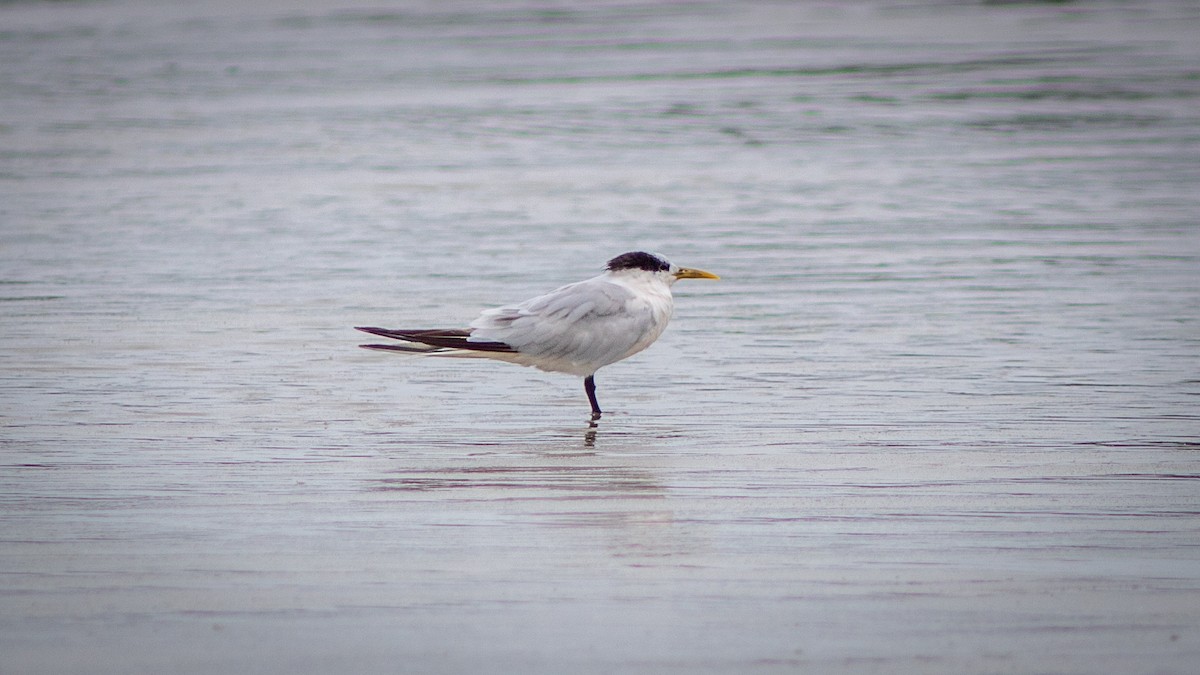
x: 576, y: 328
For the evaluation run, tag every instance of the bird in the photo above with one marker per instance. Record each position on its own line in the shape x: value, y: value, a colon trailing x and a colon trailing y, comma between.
x: 575, y: 329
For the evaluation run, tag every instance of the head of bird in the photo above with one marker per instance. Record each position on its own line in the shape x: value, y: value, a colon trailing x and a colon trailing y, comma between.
x: 656, y: 265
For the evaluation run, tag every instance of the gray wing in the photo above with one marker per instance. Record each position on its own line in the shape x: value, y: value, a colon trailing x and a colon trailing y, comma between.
x: 579, y: 327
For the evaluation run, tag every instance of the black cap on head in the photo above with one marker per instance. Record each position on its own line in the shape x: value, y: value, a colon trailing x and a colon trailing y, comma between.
x: 638, y: 260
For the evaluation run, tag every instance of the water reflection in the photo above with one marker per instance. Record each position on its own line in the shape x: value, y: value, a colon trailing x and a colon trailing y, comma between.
x: 589, y: 436
x: 548, y: 476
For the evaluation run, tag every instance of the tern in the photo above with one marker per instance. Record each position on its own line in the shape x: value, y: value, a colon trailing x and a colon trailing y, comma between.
x: 576, y: 329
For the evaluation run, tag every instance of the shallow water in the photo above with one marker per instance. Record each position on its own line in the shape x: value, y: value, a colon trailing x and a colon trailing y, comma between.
x: 939, y: 415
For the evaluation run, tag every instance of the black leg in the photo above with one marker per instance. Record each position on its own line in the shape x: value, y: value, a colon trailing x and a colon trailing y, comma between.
x: 589, y: 385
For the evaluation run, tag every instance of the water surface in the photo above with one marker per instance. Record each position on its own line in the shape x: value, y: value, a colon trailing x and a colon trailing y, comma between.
x: 939, y: 415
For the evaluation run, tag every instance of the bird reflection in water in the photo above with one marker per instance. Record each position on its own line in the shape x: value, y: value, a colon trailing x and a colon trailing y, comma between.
x: 589, y: 436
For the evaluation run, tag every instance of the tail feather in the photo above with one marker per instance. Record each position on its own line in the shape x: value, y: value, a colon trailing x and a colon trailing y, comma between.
x: 433, y: 340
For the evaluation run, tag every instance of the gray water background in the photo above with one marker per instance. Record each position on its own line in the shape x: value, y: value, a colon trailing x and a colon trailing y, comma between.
x: 940, y: 414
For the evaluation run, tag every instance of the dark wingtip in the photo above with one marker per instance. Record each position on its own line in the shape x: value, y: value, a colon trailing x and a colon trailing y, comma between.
x: 396, y: 348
